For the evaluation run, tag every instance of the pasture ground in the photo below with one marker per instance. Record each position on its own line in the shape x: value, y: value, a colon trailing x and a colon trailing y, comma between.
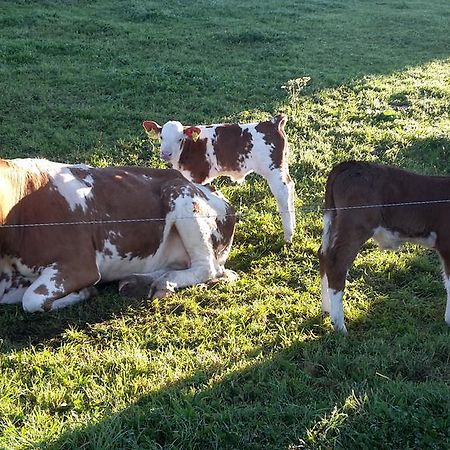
x: 250, y: 365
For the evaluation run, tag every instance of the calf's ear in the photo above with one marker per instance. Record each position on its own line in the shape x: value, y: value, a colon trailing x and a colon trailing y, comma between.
x: 192, y: 133
x: 152, y: 129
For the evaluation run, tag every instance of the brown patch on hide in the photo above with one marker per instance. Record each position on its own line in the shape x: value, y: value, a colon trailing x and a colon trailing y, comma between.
x: 275, y: 137
x: 232, y: 144
x: 193, y: 159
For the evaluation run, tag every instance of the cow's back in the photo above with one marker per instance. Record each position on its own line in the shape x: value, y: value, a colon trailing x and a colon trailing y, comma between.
x: 96, y: 209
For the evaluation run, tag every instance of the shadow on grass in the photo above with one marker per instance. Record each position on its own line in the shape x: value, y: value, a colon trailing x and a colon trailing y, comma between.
x: 371, y: 389
x: 20, y: 330
x: 314, y: 394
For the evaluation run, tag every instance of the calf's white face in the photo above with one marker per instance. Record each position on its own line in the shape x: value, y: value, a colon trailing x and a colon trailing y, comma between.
x: 171, y: 138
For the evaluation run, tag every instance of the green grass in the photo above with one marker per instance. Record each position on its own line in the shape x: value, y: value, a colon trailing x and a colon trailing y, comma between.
x: 251, y: 364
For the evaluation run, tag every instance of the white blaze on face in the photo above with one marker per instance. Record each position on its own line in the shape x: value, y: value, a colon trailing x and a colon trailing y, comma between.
x: 337, y: 310
x: 171, y: 138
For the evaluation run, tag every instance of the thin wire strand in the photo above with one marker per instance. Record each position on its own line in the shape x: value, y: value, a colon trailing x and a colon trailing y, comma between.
x: 311, y: 208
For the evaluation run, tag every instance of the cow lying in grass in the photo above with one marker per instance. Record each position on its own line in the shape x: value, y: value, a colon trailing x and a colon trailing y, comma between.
x: 85, y: 225
x: 202, y: 153
x: 354, y: 184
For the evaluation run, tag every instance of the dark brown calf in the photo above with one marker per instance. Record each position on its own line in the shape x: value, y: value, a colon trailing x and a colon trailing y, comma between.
x: 349, y: 223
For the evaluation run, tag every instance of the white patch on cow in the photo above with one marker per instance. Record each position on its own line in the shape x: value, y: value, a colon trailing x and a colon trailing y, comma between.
x: 263, y: 163
x: 337, y: 310
x: 71, y: 299
x: 24, y: 270
x: 15, y: 279
x: 391, y: 240
x: 75, y: 191
x: 326, y: 236
x: 112, y: 266
x: 48, y: 278
x: 194, y: 237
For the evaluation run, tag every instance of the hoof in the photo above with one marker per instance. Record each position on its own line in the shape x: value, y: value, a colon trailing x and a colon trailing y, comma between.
x: 133, y: 287
x: 340, y: 329
x: 91, y: 292
x: 160, y: 293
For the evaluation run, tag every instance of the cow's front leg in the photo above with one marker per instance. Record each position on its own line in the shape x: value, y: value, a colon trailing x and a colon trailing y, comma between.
x: 177, y: 279
x: 283, y: 189
x: 13, y: 295
x: 59, y: 287
x: 139, y: 285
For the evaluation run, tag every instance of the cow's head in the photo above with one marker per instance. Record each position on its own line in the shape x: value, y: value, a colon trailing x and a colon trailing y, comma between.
x: 171, y: 135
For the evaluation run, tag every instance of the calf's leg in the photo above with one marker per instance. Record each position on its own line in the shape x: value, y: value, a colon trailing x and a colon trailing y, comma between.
x: 283, y: 189
x: 336, y: 257
x: 445, y: 257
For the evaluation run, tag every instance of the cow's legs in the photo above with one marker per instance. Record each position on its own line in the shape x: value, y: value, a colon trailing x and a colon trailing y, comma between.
x: 57, y: 288
x: 283, y: 189
x: 326, y: 304
x: 326, y: 240
x: 138, y: 285
x: 445, y: 257
x: 13, y: 295
x: 335, y: 259
x: 196, y: 237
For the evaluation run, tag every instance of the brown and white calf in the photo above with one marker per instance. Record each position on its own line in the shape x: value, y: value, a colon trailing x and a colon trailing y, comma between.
x: 354, y: 184
x: 202, y: 153
x: 95, y: 231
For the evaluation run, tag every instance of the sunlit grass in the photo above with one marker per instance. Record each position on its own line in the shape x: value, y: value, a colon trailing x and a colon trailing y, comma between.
x: 252, y: 364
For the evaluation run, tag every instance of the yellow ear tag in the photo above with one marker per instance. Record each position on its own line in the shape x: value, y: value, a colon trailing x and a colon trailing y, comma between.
x: 195, y: 136
x: 152, y: 134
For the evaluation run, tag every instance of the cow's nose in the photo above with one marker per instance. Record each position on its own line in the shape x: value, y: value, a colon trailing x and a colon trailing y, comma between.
x: 166, y: 156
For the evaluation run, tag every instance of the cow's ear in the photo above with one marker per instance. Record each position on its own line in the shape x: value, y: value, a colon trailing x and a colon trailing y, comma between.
x: 152, y: 129
x: 192, y: 133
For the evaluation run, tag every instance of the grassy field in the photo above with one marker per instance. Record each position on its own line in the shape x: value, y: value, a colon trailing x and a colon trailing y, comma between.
x: 252, y: 364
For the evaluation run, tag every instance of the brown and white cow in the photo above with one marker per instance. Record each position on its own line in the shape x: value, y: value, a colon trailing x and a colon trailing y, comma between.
x: 202, y: 153
x: 95, y: 231
x: 347, y: 225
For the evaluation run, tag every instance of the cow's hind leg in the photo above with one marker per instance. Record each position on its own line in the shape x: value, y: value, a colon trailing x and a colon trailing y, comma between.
x: 57, y: 288
x: 283, y: 189
x: 196, y: 238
